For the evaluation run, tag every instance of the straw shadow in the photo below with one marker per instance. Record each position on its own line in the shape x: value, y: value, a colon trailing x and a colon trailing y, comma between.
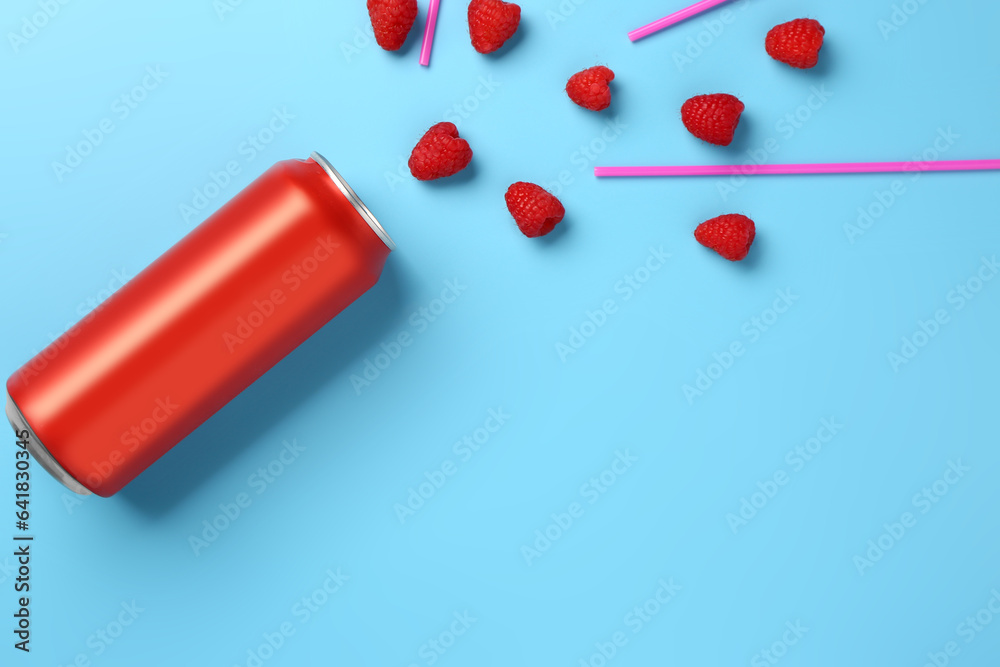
x: 321, y: 359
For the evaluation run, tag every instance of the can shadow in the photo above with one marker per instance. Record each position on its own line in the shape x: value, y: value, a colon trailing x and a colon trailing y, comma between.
x: 323, y: 357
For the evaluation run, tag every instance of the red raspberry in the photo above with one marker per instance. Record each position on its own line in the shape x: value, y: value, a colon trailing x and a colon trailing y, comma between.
x: 590, y: 88
x: 391, y: 21
x: 536, y: 211
x: 729, y: 235
x: 796, y: 43
x: 491, y: 23
x: 440, y: 153
x: 712, y: 118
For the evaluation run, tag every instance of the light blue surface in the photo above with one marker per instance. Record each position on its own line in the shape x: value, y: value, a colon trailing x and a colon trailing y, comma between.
x: 883, y: 96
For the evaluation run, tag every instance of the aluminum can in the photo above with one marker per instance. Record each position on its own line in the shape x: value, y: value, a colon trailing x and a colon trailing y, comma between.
x: 197, y: 326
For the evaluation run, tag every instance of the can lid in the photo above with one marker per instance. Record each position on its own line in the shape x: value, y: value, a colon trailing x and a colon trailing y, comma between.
x: 354, y: 199
x: 39, y: 453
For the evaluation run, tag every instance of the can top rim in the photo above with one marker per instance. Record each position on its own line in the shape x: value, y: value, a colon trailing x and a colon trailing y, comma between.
x: 39, y: 453
x: 354, y: 199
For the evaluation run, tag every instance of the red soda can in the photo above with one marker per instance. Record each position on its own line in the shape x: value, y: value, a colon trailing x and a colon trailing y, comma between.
x: 197, y: 326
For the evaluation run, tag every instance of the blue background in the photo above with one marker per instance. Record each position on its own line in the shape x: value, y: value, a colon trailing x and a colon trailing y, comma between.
x: 883, y: 95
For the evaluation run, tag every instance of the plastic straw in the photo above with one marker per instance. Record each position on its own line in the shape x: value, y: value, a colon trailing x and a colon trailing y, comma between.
x: 676, y: 17
x: 823, y: 168
x: 432, y: 17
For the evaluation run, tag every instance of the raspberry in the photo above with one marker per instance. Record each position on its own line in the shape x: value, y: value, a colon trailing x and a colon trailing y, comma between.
x: 536, y: 211
x: 590, y: 88
x: 729, y: 235
x: 712, y: 118
x: 491, y: 23
x: 391, y: 21
x: 440, y: 153
x: 796, y: 43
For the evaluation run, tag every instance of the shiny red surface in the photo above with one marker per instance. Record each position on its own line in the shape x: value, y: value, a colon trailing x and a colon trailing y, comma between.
x: 167, y: 350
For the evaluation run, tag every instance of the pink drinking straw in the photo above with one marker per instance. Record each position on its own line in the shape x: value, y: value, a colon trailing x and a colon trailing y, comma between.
x: 676, y: 17
x: 432, y: 18
x: 771, y: 169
